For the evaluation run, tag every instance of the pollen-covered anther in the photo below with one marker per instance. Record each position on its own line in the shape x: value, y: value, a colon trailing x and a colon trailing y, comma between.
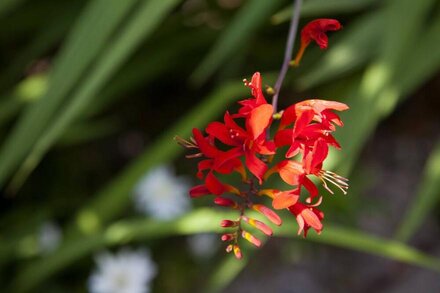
x: 335, y: 179
x: 228, y: 223
x: 251, y: 238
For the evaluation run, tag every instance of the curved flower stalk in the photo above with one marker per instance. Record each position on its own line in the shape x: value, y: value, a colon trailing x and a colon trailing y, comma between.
x: 243, y: 144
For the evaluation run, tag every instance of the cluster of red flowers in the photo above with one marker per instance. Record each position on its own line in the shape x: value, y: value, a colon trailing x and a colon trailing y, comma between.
x: 244, y: 144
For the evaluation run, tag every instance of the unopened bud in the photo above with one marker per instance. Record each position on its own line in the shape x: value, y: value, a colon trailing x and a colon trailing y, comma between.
x: 237, y: 252
x: 259, y: 225
x: 270, y: 90
x: 228, y: 223
x: 251, y: 238
x: 225, y: 202
x: 229, y: 248
x: 268, y: 213
x: 227, y: 237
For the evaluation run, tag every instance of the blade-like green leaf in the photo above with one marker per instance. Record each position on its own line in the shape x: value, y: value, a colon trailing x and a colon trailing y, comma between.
x: 382, y: 87
x: 45, y: 39
x: 323, y: 7
x: 146, y: 19
x: 80, y: 50
x: 425, y: 201
x: 202, y: 221
x: 239, y: 31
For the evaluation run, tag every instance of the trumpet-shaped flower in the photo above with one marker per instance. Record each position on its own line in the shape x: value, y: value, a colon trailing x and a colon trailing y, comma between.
x: 316, y: 31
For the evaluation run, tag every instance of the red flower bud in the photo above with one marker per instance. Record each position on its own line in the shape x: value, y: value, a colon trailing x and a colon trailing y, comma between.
x: 237, y: 252
x: 259, y: 225
x: 227, y: 237
x: 268, y: 213
x: 228, y: 223
x: 251, y: 238
x: 225, y: 202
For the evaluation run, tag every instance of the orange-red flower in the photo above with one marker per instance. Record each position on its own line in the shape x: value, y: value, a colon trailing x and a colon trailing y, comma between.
x: 307, y: 216
x: 316, y: 31
x: 249, y: 141
x: 258, y: 98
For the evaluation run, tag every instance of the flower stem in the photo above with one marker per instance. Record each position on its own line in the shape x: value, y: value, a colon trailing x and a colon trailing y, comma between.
x: 288, y: 53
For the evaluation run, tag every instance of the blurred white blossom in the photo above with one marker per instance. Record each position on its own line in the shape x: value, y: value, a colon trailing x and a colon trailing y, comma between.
x: 162, y: 195
x: 49, y: 237
x: 203, y: 245
x: 124, y: 272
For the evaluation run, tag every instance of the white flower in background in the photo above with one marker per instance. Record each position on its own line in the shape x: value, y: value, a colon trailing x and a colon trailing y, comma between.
x: 203, y: 245
x: 49, y: 237
x: 162, y: 195
x: 124, y: 272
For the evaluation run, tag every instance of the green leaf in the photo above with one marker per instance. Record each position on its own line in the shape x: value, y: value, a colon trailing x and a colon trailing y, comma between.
x: 323, y: 8
x: 425, y: 201
x: 202, y: 221
x: 381, y: 87
x: 142, y: 23
x: 239, y: 31
x: 81, y: 49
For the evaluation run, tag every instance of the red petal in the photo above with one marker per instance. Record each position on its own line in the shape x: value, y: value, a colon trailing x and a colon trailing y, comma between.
x: 202, y: 166
x: 320, y: 152
x: 284, y: 200
x: 303, y: 120
x: 259, y: 119
x: 310, y: 186
x: 289, y: 115
x: 255, y: 165
x: 257, y: 91
x: 290, y: 171
x: 207, y: 149
x: 283, y: 137
x: 214, y: 185
x: 198, y: 191
x: 221, y: 132
x: 315, y: 30
x: 311, y: 219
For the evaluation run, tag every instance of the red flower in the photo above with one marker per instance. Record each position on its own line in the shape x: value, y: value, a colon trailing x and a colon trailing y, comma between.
x: 304, y: 132
x: 219, y: 161
x: 307, y: 216
x: 258, y: 97
x: 295, y: 173
x: 315, y: 30
x: 249, y: 141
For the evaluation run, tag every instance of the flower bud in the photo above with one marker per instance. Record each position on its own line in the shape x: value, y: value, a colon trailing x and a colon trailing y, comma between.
x: 268, y: 213
x: 225, y: 202
x: 237, y: 252
x: 251, y: 238
x: 227, y: 237
x: 259, y: 225
x: 228, y: 223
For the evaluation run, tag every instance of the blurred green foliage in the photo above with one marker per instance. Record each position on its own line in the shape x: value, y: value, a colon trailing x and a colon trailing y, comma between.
x: 76, y: 76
